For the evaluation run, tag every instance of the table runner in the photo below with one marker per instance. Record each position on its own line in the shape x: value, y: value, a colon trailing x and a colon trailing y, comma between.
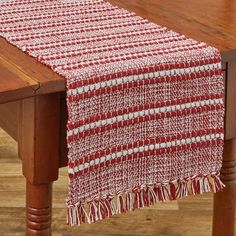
x: 145, y: 104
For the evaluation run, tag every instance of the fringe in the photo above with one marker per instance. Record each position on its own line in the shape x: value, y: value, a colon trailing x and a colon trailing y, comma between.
x: 139, y: 197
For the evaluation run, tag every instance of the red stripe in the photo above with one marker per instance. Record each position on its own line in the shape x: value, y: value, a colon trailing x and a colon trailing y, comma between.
x: 145, y: 118
x: 99, y: 49
x: 129, y: 56
x: 78, y: 30
x: 56, y: 5
x: 141, y: 143
x: 38, y: 46
x: 137, y: 71
x: 137, y: 83
x: 72, y: 125
x: 65, y: 22
x: 215, y: 142
x: 22, y: 2
x: 58, y: 14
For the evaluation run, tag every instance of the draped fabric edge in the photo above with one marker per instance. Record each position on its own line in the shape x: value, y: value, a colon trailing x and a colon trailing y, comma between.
x: 102, y: 207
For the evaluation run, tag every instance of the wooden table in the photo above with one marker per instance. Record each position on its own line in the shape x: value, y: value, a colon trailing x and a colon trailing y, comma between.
x: 33, y: 108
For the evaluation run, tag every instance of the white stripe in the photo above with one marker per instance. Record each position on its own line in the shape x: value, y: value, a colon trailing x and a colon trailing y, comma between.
x: 156, y: 146
x: 129, y: 55
x: 117, y: 81
x: 99, y: 37
x: 132, y: 115
x: 65, y: 22
x: 58, y: 14
x: 55, y: 5
x: 21, y: 2
x: 112, y: 47
x: 23, y: 36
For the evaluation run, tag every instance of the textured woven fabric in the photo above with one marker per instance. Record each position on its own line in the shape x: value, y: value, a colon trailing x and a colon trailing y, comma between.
x: 145, y: 104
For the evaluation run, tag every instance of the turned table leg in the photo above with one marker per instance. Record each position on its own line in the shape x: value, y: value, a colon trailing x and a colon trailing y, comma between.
x: 39, y: 128
x: 38, y: 209
x: 225, y: 202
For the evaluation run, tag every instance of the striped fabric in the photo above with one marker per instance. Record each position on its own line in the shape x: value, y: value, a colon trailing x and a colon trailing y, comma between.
x: 145, y: 104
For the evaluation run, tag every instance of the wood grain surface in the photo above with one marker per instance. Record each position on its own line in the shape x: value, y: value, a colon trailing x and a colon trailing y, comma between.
x: 191, y: 216
x: 22, y: 76
x: 196, y: 19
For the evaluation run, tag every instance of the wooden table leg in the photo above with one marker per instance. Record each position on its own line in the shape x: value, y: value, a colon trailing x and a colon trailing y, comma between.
x: 38, y: 209
x: 39, y: 127
x: 225, y: 202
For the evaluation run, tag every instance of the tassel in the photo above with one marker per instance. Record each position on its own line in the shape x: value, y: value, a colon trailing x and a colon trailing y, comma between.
x: 142, y: 201
x: 146, y: 197
x: 196, y: 185
x: 200, y: 180
x: 69, y: 216
x: 103, y: 209
x: 100, y: 210
x: 219, y: 185
x: 179, y: 189
x: 213, y: 185
x: 166, y: 192
x: 136, y: 200
x: 96, y: 212
x: 152, y: 196
x: 140, y: 197
x: 85, y: 215
x: 192, y: 187
x: 185, y: 188
x: 74, y: 217
x: 82, y: 214
x: 93, y: 212
x: 159, y: 193
x: 78, y: 217
x: 129, y: 201
x: 172, y: 191
x: 206, y: 185
x: 108, y: 207
x: 120, y: 204
x: 182, y: 189
x: 113, y: 208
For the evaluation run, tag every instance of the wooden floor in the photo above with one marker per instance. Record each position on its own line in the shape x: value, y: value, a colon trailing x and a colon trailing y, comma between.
x: 188, y: 217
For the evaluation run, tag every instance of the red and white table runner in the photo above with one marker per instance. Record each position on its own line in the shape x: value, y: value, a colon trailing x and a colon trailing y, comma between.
x: 145, y: 104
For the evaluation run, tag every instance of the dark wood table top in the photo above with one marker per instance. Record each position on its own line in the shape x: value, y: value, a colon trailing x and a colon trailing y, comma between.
x: 212, y: 21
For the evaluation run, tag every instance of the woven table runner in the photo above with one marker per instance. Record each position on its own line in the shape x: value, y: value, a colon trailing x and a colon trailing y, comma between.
x: 145, y: 104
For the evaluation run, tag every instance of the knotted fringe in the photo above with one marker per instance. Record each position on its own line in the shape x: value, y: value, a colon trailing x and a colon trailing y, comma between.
x: 143, y: 196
